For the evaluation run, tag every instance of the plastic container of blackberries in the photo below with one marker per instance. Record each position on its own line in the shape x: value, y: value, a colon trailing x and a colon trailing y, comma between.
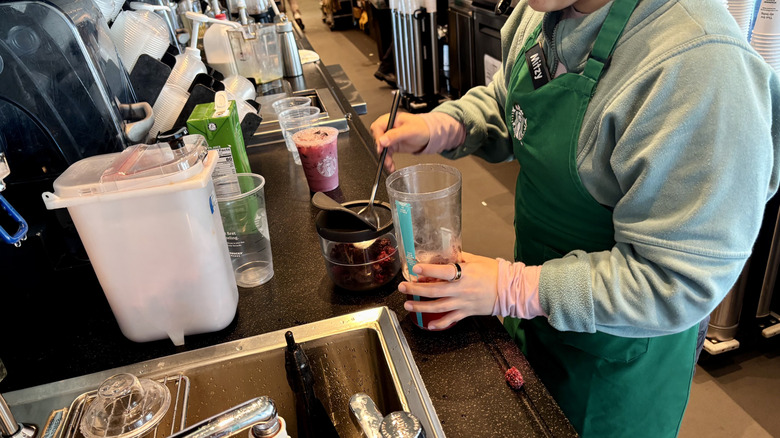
x: 358, y: 257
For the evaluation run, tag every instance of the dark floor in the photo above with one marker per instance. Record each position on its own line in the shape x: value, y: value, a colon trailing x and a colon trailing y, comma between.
x: 734, y: 395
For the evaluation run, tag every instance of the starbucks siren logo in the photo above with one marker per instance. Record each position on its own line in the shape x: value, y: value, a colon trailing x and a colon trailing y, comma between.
x: 327, y: 167
x: 519, y: 122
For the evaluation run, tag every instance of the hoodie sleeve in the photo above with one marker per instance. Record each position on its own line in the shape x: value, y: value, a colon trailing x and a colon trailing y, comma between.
x: 481, y: 109
x: 688, y: 179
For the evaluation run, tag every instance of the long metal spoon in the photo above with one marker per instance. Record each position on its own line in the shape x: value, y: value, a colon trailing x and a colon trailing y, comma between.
x: 369, y: 212
x: 325, y: 202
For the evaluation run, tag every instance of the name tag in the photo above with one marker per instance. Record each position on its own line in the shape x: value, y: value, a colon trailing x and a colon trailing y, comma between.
x: 537, y: 66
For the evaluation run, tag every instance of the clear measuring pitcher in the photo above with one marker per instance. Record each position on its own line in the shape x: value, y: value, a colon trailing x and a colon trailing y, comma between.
x: 256, y: 52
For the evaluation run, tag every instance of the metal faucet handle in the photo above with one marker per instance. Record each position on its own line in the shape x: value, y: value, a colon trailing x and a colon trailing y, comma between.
x: 9, y: 428
x: 398, y: 424
x: 401, y: 424
x: 366, y: 413
x: 255, y: 412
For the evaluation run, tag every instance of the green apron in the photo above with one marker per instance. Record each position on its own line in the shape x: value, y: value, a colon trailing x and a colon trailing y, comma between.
x: 607, y: 386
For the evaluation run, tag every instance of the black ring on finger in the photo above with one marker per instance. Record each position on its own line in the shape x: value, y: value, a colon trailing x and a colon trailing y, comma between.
x: 458, y: 272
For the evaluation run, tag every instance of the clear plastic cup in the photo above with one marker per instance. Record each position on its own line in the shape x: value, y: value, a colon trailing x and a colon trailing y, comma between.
x: 109, y: 8
x: 426, y: 204
x: 240, y: 86
x: 286, y: 103
x: 767, y: 19
x: 245, y: 220
x: 293, y: 120
x: 167, y: 108
x: 242, y: 106
x: 139, y: 32
x: 318, y: 149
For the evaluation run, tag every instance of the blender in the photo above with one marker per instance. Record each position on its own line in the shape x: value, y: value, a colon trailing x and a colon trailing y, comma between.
x: 21, y: 232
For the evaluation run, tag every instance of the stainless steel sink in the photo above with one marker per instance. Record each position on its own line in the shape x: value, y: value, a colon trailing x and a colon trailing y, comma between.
x: 358, y: 352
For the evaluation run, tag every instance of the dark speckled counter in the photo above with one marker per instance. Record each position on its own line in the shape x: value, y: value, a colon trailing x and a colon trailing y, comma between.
x: 463, y: 368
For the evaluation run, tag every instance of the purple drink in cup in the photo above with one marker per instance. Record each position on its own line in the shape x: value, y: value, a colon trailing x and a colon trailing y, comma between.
x: 317, y: 147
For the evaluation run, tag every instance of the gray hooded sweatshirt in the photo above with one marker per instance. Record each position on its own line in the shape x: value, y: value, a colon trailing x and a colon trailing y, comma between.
x: 680, y: 140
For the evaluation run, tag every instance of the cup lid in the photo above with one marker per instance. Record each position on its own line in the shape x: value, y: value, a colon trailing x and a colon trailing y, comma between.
x: 339, y: 226
x: 125, y: 407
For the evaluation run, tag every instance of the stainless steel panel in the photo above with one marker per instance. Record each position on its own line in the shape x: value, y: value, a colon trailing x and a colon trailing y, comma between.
x: 770, y: 276
x: 358, y: 352
x: 724, y: 320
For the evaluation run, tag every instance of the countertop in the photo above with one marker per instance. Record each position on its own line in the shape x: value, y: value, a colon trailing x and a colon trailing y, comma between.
x: 56, y: 327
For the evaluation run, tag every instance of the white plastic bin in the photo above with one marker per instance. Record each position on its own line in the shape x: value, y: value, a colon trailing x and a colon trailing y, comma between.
x: 149, y: 221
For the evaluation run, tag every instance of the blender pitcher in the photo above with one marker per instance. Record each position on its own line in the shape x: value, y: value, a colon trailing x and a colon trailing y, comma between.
x: 256, y: 52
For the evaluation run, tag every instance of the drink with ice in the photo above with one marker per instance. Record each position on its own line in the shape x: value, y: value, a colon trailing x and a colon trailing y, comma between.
x: 317, y: 147
x: 452, y: 256
x: 426, y: 204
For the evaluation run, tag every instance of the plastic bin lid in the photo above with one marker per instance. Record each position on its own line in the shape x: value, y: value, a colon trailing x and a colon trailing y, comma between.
x: 137, y: 167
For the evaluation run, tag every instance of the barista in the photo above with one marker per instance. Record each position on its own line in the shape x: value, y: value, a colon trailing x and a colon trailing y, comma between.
x: 648, y: 137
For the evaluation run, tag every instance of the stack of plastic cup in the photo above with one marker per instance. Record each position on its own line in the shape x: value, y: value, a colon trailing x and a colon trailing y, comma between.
x: 109, y: 8
x: 742, y: 11
x: 240, y: 86
x: 167, y: 108
x: 765, y: 37
x: 139, y: 32
x: 284, y: 104
x: 242, y: 106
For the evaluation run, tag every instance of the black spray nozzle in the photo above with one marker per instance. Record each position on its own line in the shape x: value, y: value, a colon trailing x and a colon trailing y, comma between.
x: 299, y: 374
x: 174, y: 138
x: 313, y: 420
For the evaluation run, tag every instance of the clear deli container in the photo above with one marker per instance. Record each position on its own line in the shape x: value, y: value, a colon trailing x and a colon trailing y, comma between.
x: 358, y: 258
x: 149, y: 221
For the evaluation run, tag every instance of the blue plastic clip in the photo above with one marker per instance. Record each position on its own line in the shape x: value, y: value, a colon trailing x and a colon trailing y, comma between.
x: 21, y: 233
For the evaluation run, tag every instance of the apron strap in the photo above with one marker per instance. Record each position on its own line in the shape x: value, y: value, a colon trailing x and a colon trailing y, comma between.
x: 607, y: 39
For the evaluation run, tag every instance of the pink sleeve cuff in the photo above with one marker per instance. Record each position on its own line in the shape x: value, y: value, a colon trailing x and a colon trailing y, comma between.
x: 445, y: 133
x: 518, y: 290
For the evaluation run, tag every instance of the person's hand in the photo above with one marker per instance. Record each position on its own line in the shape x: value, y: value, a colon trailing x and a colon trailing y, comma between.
x: 474, y: 294
x: 409, y: 134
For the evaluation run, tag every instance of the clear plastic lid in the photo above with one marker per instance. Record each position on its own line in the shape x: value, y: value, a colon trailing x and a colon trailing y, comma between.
x: 125, y: 407
x: 137, y: 167
x: 179, y: 165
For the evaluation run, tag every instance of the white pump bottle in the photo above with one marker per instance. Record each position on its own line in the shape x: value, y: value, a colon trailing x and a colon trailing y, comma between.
x: 188, y: 64
x: 216, y: 44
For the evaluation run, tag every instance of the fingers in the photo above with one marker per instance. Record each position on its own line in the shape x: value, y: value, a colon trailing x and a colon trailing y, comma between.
x: 410, y: 134
x: 450, y: 314
x: 474, y: 293
x: 379, y: 127
x: 389, y: 163
x: 441, y: 272
x: 426, y: 289
x: 430, y: 306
